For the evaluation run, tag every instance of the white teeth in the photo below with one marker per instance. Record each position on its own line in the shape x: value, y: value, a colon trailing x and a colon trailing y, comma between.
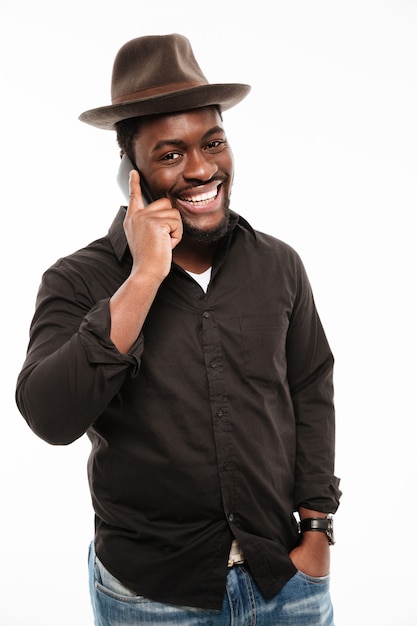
x: 202, y: 197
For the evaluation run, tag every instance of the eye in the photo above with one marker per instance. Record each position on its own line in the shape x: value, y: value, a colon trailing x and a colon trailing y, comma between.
x: 216, y: 145
x: 171, y: 156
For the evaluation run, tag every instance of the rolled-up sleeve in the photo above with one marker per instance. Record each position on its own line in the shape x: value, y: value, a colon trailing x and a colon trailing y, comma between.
x: 72, y: 369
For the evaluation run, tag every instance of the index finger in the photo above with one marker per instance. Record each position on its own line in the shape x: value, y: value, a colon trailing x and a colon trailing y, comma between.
x: 136, y: 202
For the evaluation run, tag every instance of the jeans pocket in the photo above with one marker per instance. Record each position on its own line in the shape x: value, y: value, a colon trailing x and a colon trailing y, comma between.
x: 315, y: 580
x: 111, y: 586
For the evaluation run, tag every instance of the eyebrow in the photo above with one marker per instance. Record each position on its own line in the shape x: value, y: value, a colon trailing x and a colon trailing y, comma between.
x: 179, y: 142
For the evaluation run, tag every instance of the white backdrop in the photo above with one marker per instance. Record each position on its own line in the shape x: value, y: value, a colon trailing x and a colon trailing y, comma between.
x: 326, y: 159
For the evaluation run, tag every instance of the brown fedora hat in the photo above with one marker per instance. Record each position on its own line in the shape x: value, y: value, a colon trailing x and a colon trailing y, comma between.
x: 159, y: 74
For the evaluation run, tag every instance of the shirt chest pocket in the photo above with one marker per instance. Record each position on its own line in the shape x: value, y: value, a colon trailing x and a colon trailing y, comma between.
x: 263, y: 340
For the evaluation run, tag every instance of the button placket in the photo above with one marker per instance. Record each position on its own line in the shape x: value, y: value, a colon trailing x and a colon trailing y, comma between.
x: 222, y: 426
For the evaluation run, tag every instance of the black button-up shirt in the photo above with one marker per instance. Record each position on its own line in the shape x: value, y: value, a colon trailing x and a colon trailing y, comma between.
x: 219, y: 423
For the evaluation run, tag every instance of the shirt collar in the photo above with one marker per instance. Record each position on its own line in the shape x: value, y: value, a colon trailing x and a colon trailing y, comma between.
x: 119, y: 242
x: 117, y: 234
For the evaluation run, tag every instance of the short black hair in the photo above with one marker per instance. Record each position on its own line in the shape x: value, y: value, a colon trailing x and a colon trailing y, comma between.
x: 126, y: 131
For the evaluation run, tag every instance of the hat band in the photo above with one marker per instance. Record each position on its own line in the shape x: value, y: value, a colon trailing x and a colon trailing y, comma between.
x: 155, y: 91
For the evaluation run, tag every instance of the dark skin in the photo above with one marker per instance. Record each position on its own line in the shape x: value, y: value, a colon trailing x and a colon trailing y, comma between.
x: 188, y: 166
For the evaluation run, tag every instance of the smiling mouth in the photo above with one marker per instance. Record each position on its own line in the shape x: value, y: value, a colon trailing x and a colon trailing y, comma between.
x: 201, y: 199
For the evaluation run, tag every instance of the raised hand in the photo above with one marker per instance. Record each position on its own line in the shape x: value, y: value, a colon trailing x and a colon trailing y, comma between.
x: 152, y: 231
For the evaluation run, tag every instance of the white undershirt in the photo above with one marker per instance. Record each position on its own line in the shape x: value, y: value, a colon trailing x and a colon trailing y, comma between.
x: 202, y: 279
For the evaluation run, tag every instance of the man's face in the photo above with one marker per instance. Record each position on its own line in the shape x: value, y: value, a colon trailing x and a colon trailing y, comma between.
x: 186, y: 158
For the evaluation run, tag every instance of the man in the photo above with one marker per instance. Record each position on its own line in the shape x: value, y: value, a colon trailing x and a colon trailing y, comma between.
x: 189, y: 349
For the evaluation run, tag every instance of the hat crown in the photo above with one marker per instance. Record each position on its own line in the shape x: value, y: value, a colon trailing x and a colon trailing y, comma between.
x: 149, y: 65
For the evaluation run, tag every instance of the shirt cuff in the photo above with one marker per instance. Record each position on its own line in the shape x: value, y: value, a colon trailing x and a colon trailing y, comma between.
x: 318, y: 492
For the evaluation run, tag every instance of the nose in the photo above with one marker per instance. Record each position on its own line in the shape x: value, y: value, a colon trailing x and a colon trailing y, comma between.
x: 199, y: 166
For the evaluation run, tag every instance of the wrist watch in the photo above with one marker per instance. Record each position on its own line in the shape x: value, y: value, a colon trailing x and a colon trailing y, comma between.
x: 320, y: 524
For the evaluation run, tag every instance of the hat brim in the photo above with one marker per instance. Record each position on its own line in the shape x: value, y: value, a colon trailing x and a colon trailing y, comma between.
x: 224, y: 95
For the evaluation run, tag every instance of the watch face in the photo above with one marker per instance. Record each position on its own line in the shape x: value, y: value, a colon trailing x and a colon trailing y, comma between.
x: 330, y: 531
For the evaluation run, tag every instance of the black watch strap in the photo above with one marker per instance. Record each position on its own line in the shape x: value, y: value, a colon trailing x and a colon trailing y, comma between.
x: 321, y: 524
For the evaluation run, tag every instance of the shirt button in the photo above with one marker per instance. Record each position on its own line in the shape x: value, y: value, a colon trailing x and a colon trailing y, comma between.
x: 214, y: 363
x: 206, y: 314
x: 231, y: 517
x: 220, y: 412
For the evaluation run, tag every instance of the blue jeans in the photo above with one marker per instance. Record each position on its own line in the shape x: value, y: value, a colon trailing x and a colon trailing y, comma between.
x: 303, y: 601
